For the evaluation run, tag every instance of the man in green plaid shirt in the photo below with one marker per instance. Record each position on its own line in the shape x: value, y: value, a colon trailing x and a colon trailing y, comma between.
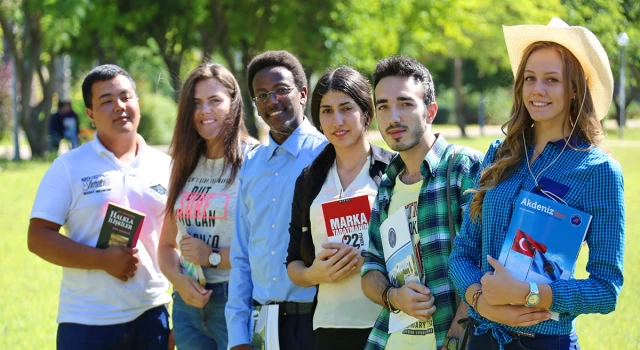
x: 415, y: 182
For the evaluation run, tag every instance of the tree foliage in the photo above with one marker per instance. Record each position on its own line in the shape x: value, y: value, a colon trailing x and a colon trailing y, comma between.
x: 460, y: 41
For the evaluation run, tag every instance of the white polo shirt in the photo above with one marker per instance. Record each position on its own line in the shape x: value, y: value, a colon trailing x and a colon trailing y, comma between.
x: 74, y: 193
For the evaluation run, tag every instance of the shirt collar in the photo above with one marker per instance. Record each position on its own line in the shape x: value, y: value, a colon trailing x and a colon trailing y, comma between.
x: 293, y: 144
x: 573, y: 141
x: 429, y: 165
x: 434, y: 156
x: 100, y: 149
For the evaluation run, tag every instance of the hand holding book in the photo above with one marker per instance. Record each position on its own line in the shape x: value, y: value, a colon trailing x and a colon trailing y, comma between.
x: 194, y: 250
x: 120, y: 261
x: 191, y: 291
x: 414, y: 299
x: 499, y: 287
x: 333, y: 264
x: 512, y: 315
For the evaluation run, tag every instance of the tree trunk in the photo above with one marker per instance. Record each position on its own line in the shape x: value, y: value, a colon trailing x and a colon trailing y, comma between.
x: 249, y: 112
x: 457, y: 84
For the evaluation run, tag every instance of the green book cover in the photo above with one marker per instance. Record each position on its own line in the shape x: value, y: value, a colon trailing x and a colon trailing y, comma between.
x: 120, y: 226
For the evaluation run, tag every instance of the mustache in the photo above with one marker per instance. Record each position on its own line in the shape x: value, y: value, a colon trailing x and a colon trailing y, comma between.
x: 396, y: 126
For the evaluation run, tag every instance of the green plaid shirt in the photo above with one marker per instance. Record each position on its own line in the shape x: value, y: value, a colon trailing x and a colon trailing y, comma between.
x: 433, y: 225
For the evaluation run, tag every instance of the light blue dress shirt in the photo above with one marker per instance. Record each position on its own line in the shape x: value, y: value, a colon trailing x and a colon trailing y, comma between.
x: 259, y: 246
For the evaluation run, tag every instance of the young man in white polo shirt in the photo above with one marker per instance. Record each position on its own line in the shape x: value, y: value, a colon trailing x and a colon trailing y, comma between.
x: 114, y: 297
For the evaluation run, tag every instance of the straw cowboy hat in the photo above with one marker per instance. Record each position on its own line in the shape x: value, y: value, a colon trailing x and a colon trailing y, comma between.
x: 582, y: 43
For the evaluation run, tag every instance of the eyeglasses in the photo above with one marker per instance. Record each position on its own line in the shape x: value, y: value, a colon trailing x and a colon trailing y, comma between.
x: 279, y: 92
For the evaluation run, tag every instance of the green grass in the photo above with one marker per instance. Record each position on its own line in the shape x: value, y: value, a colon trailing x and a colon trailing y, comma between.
x: 30, y: 285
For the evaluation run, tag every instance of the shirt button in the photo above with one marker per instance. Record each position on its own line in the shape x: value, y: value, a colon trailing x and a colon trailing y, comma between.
x: 273, y: 226
x: 273, y: 253
x: 273, y: 199
x: 276, y: 174
x: 274, y: 278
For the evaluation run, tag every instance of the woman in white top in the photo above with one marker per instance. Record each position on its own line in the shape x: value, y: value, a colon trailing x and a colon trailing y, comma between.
x: 208, y: 146
x: 349, y: 166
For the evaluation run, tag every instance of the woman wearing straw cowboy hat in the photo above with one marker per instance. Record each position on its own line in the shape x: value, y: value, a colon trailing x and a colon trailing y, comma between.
x: 563, y: 88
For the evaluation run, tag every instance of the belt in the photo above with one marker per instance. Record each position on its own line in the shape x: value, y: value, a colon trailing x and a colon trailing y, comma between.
x: 514, y: 334
x: 288, y: 308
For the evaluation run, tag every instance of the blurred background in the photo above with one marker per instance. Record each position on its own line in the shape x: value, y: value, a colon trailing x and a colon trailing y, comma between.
x: 49, y: 45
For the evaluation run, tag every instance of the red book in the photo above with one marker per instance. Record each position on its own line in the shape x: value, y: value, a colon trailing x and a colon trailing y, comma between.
x: 121, y: 225
x: 347, y: 220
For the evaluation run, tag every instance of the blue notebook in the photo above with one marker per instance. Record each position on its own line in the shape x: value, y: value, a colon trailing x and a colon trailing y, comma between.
x: 543, y: 240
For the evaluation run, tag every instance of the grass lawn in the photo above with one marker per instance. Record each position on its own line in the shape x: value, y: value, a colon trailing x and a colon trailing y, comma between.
x: 30, y: 285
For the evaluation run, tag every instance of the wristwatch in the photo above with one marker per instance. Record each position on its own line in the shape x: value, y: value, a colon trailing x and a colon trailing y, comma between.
x: 533, y: 298
x: 451, y: 343
x: 215, y: 258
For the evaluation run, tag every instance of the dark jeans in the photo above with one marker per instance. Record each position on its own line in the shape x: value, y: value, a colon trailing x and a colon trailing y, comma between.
x: 295, y: 332
x: 149, y: 331
x: 341, y: 338
x: 522, y: 342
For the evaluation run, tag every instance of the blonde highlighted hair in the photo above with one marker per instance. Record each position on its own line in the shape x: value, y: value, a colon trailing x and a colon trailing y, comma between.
x: 512, y: 151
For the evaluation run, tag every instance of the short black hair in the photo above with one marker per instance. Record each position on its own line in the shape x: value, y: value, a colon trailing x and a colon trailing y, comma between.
x: 406, y: 67
x: 102, y: 73
x: 62, y: 103
x: 280, y: 58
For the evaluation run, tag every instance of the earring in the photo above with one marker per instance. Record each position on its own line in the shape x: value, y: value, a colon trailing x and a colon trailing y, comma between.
x: 93, y: 125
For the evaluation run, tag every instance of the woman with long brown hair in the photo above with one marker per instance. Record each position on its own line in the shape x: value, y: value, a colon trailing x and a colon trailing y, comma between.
x: 563, y: 88
x: 208, y: 146
x: 348, y: 167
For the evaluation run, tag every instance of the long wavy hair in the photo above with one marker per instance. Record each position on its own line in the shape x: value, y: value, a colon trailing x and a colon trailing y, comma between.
x: 187, y: 145
x: 349, y: 81
x: 512, y: 151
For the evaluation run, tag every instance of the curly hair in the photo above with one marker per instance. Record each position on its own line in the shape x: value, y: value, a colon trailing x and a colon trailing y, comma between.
x: 276, y: 59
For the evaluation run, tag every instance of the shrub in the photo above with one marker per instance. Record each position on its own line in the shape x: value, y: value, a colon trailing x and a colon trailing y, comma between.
x: 158, y: 118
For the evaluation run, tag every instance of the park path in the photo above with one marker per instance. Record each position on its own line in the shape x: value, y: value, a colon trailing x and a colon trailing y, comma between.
x: 447, y: 131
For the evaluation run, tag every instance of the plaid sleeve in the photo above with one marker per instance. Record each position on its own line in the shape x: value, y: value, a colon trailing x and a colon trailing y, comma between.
x: 470, y: 166
x: 603, y: 197
x: 374, y: 259
x: 465, y: 258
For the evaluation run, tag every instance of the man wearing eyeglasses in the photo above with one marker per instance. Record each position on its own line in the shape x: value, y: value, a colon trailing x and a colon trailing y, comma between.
x: 278, y: 86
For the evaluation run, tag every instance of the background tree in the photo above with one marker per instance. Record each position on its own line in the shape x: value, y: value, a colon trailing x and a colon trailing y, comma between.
x: 36, y: 33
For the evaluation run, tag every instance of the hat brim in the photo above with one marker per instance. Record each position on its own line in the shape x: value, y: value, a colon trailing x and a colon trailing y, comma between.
x: 582, y: 43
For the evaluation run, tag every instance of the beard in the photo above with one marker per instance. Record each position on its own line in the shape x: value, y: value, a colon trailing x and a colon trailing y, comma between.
x: 414, y: 138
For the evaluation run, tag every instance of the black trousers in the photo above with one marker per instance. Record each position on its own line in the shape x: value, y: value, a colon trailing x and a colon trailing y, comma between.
x: 341, y: 338
x: 295, y: 332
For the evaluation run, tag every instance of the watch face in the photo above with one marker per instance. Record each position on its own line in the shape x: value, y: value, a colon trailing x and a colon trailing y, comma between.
x: 533, y: 299
x: 214, y: 259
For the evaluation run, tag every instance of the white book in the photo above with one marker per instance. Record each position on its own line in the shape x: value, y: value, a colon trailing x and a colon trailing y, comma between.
x: 402, y: 265
x: 264, y: 323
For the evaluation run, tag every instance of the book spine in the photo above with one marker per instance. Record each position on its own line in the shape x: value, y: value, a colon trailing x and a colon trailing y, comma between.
x: 136, y: 235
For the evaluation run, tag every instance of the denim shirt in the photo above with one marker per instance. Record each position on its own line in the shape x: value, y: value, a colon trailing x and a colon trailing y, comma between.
x: 587, y: 179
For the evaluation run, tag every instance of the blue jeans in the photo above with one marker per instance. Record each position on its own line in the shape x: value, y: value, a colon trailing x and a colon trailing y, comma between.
x: 206, y: 328
x: 149, y: 331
